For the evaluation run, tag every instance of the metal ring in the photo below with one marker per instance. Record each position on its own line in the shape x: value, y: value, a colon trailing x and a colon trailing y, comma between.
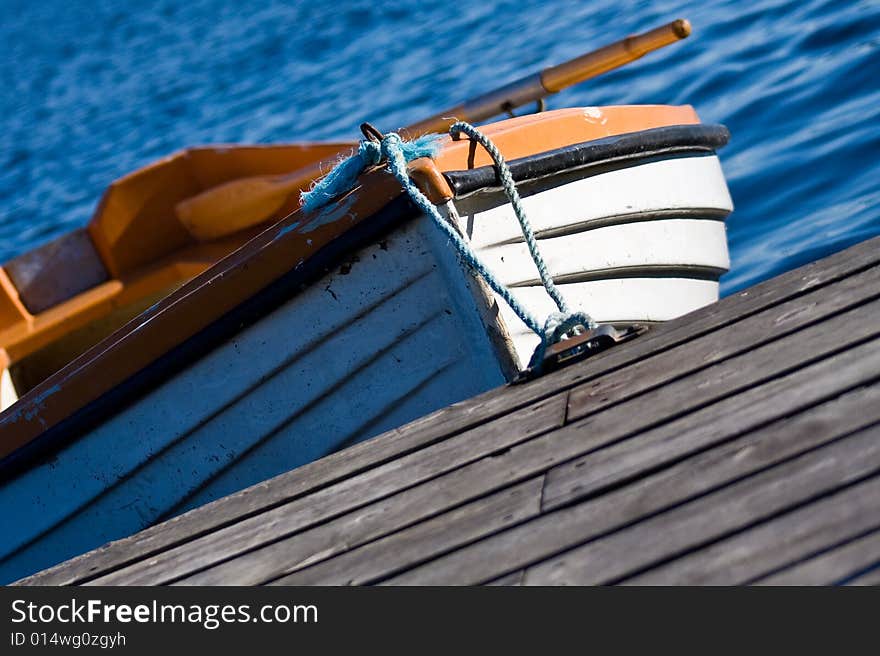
x: 371, y: 133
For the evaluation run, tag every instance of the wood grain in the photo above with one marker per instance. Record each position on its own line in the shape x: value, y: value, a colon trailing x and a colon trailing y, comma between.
x: 731, y: 509
x: 565, y: 528
x: 840, y: 562
x: 734, y: 416
x: 349, y: 494
x: 798, y: 535
x: 425, y: 540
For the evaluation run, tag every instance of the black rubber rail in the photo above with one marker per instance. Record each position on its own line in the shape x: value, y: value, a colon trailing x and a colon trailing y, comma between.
x: 597, y: 156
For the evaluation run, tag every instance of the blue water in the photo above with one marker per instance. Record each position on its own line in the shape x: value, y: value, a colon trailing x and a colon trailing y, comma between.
x: 92, y: 90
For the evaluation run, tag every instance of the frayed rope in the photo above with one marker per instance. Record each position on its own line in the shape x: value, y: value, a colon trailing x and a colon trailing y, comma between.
x: 344, y: 175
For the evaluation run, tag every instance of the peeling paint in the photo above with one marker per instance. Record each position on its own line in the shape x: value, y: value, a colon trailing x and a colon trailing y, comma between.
x: 153, y: 307
x: 331, y: 213
x: 31, y: 410
x: 595, y: 115
x: 286, y: 229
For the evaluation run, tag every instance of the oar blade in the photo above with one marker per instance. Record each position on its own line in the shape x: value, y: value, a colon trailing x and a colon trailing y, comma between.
x: 233, y: 206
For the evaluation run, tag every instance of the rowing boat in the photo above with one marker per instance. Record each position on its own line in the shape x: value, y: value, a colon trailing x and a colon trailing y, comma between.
x: 153, y: 363
x: 329, y: 328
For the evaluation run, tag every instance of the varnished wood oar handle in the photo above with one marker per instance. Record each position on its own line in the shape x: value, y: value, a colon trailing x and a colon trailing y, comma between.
x: 555, y: 78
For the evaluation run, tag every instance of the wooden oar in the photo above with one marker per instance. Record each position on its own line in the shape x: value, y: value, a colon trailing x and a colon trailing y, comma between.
x: 554, y: 79
x: 242, y: 203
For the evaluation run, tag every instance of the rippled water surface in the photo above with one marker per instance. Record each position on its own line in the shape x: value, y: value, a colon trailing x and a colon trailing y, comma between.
x: 92, y: 90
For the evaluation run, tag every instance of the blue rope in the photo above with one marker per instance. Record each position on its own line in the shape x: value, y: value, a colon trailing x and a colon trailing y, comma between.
x: 397, y: 153
x: 344, y: 175
x: 513, y: 196
x: 558, y: 323
x: 397, y: 166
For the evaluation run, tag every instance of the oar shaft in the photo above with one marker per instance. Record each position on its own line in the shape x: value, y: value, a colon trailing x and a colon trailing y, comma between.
x: 555, y: 78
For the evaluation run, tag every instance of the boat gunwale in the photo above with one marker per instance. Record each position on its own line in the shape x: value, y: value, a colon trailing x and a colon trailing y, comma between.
x: 595, y: 157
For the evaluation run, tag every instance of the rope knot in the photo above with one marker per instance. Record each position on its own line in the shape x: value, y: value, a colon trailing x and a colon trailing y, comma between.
x: 370, y: 153
x: 343, y: 177
x: 391, y: 142
x: 557, y: 326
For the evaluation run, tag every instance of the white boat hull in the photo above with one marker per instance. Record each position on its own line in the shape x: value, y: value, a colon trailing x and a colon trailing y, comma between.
x: 640, y: 244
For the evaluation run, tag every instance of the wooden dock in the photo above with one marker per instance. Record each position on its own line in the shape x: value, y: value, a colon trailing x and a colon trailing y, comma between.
x: 738, y: 444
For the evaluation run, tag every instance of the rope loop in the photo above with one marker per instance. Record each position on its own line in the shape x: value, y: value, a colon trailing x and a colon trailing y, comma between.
x: 509, y: 186
x: 557, y: 326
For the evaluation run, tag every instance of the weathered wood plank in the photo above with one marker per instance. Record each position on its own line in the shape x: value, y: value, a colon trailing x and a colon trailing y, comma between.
x: 456, y: 419
x: 568, y: 527
x: 731, y: 509
x: 776, y: 323
x: 753, y: 405
x: 413, y: 545
x: 837, y: 563
x: 870, y: 577
x: 847, y: 413
x: 512, y: 579
x: 481, y: 477
x: 350, y: 494
x: 787, y: 539
x: 724, y: 314
x: 667, y: 443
